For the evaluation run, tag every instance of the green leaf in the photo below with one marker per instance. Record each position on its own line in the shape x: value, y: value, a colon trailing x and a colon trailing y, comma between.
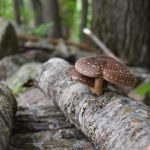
x: 143, y: 89
x: 42, y: 29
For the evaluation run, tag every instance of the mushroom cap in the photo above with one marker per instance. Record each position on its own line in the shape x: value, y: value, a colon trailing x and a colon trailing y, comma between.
x: 111, y: 70
x: 117, y: 73
x: 91, y: 66
x: 75, y: 75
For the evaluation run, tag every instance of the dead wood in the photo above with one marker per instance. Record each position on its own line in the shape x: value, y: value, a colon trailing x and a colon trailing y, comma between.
x: 9, y: 65
x: 40, y: 125
x: 112, y: 121
x: 7, y: 112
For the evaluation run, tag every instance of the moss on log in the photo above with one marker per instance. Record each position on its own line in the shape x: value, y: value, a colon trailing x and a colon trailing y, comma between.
x: 112, y: 121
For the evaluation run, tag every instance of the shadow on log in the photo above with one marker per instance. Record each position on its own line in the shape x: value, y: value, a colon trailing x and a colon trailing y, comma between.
x: 112, y: 121
x: 7, y: 112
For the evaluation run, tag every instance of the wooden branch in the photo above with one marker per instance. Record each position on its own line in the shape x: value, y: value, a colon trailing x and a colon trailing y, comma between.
x: 112, y: 121
x: 7, y: 112
x: 100, y: 44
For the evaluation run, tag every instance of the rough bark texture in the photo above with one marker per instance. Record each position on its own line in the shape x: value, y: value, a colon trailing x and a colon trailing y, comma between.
x: 7, y: 112
x: 39, y: 125
x: 112, y: 121
x: 8, y: 39
x: 124, y: 25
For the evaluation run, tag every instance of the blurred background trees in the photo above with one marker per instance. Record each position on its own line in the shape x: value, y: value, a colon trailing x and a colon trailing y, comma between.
x: 122, y: 25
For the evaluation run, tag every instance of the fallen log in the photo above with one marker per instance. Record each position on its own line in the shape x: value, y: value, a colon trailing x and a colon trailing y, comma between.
x: 7, y: 112
x: 111, y: 121
x: 40, y: 125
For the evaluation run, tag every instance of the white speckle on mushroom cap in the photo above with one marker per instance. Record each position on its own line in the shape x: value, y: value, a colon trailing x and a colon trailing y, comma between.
x: 75, y: 75
x: 117, y: 73
x: 90, y: 66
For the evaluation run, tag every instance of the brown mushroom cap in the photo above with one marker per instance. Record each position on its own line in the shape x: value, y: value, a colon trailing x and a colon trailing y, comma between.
x: 111, y: 70
x: 91, y: 66
x: 75, y: 75
x: 117, y: 73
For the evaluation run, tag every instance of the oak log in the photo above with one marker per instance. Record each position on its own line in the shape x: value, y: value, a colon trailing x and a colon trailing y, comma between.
x: 111, y: 121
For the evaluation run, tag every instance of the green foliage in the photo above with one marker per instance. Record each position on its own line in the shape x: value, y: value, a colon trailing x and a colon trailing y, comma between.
x: 26, y: 12
x: 6, y: 9
x: 143, y: 89
x: 41, y: 30
x: 7, y: 12
x: 89, y: 15
x: 77, y: 21
x: 67, y: 11
x: 70, y: 14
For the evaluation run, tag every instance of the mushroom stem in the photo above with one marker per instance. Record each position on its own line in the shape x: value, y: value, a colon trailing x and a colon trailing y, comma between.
x: 98, y: 86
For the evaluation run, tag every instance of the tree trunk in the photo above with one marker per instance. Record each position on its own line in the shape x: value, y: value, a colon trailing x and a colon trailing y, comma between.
x: 94, y: 7
x: 7, y: 112
x: 51, y: 15
x: 112, y: 121
x: 37, y: 9
x: 83, y: 18
x: 124, y: 27
x: 16, y: 11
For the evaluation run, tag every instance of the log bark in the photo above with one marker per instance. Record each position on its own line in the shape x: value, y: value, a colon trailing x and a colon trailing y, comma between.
x: 7, y: 112
x: 112, y: 121
x: 40, y: 125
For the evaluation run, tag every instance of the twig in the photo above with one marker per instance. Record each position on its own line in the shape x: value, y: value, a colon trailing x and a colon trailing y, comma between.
x: 100, y: 44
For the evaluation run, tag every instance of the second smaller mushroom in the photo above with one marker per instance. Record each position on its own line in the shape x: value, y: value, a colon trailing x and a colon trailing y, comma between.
x: 75, y: 75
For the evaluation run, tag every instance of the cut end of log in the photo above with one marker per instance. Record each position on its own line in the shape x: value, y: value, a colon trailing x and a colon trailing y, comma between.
x: 87, y: 31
